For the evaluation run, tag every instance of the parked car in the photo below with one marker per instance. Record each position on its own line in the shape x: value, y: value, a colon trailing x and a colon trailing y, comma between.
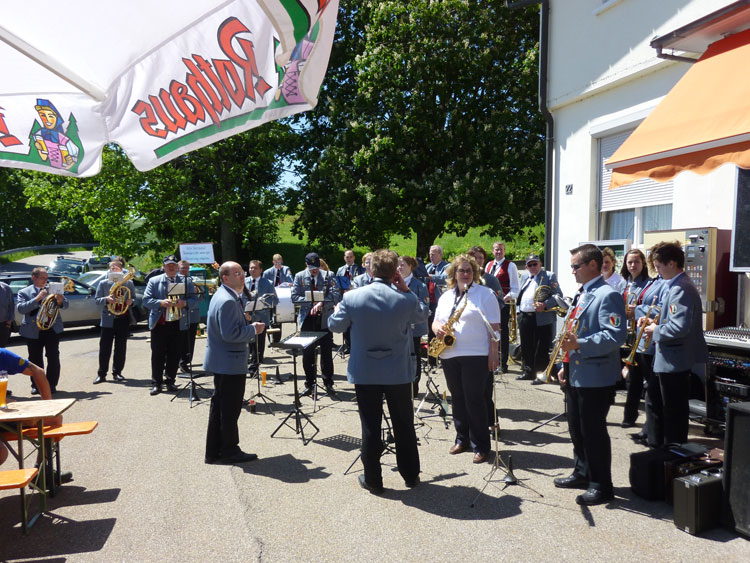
x: 140, y: 312
x: 82, y: 308
x: 68, y: 266
x: 95, y: 263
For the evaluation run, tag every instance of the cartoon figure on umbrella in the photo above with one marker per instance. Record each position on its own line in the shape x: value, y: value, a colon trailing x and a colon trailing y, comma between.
x: 50, y: 141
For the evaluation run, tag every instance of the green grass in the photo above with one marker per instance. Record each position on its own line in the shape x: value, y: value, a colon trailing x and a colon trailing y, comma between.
x: 293, y: 249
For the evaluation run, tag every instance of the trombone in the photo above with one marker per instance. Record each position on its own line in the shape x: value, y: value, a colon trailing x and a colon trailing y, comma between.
x: 630, y: 360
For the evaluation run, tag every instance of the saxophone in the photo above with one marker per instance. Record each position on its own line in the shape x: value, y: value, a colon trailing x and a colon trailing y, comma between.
x: 121, y: 293
x: 513, y: 322
x: 437, y: 344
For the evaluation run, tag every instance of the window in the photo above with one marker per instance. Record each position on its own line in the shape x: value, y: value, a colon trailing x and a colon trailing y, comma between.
x: 628, y: 211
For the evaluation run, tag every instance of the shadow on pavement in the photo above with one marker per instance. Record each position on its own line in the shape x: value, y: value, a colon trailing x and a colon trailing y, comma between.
x: 286, y: 468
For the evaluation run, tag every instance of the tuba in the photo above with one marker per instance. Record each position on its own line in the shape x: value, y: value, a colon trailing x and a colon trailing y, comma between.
x: 121, y: 294
x: 438, y: 345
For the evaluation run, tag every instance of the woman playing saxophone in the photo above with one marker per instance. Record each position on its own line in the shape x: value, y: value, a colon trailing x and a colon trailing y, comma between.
x: 468, y: 362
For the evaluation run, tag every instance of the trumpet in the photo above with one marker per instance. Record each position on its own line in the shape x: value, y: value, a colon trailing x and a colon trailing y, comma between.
x: 513, y: 325
x: 569, y: 327
x: 121, y: 294
x: 48, y: 311
x: 174, y: 313
x: 630, y: 360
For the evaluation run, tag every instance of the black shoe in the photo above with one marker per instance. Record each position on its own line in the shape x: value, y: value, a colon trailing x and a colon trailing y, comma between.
x: 64, y: 477
x: 211, y: 460
x: 538, y: 381
x: 307, y: 392
x: 595, y: 496
x: 34, y: 391
x: 118, y: 377
x: 372, y: 488
x: 170, y: 386
x: 411, y: 483
x: 155, y: 390
x: 504, y: 368
x: 240, y: 457
x: 99, y: 379
x: 330, y: 391
x: 572, y: 481
x: 184, y: 367
x: 525, y: 377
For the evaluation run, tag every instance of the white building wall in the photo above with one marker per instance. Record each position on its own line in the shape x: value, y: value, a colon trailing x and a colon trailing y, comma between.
x: 604, y: 77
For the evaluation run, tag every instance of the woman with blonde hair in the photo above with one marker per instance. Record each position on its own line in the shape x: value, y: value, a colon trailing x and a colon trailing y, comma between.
x: 474, y: 315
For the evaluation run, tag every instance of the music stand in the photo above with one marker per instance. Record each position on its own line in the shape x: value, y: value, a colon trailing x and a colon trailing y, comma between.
x: 296, y: 344
x: 191, y: 385
x: 509, y: 478
x: 313, y: 297
x: 255, y: 371
x: 437, y: 400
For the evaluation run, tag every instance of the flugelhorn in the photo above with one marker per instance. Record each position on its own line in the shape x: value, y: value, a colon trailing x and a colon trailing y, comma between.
x: 121, y: 294
x: 630, y: 295
x: 630, y: 360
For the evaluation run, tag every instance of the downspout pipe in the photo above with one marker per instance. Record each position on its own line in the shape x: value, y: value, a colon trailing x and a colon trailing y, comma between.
x: 549, y: 246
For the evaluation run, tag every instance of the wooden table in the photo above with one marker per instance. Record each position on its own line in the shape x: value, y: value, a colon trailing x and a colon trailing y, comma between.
x: 28, y: 413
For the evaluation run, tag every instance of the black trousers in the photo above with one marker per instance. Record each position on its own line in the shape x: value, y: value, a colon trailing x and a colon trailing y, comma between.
x: 417, y: 342
x: 313, y: 324
x: 222, y: 436
x: 535, y: 343
x: 188, y: 343
x: 47, y: 344
x: 370, y: 403
x: 117, y: 333
x: 587, y: 424
x: 504, y: 335
x: 257, y: 354
x: 637, y: 376
x: 466, y: 377
x: 166, y: 347
x: 4, y: 334
x: 669, y: 408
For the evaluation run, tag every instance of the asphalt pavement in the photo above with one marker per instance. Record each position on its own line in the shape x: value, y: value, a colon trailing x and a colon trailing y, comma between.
x: 141, y: 491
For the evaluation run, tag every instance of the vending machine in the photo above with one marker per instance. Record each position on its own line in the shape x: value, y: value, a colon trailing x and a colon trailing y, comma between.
x: 707, y: 253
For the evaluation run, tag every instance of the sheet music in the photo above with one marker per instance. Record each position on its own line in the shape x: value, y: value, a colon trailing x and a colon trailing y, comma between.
x: 318, y: 295
x: 302, y: 341
x: 176, y: 289
x: 55, y: 288
x: 114, y: 277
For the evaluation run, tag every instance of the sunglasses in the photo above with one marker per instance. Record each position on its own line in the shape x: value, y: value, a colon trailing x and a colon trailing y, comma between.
x: 578, y: 266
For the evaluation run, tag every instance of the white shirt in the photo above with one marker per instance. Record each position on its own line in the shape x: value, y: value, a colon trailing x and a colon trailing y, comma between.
x: 616, y: 281
x: 527, y: 299
x: 512, y: 274
x: 472, y: 336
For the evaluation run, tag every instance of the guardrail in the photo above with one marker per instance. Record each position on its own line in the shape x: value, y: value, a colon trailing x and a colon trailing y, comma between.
x: 49, y: 247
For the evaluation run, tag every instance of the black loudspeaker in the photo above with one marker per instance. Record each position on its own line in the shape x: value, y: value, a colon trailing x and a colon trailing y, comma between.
x: 736, y: 505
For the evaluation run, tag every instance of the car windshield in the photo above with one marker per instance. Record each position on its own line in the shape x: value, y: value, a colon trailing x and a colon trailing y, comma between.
x: 64, y: 267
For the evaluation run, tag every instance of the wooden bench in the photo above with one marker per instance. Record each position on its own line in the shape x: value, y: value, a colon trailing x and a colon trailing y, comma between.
x: 55, y: 434
x: 19, y: 479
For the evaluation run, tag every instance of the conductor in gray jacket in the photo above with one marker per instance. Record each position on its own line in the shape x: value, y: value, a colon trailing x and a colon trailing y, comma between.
x: 228, y: 334
x: 381, y: 364
x: 680, y: 345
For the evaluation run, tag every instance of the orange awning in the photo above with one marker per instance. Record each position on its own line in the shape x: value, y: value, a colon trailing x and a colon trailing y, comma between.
x: 702, y: 123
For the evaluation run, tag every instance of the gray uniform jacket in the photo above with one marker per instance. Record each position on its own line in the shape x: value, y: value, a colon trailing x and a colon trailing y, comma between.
x: 286, y: 275
x: 324, y: 282
x: 29, y: 307
x: 602, y: 329
x: 102, y: 292
x: 680, y: 344
x: 7, y: 305
x: 156, y: 291
x: 545, y: 278
x: 263, y: 287
x: 228, y: 334
x: 380, y: 318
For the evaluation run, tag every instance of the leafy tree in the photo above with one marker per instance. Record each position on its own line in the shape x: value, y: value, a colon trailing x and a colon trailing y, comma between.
x: 427, y: 121
x: 222, y: 193
x: 23, y: 224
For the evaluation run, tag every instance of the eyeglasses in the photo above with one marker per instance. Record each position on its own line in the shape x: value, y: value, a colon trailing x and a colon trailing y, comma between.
x: 532, y: 264
x: 465, y: 271
x: 578, y: 266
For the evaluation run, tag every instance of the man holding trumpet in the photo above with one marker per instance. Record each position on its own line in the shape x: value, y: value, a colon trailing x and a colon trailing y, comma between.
x: 589, y: 374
